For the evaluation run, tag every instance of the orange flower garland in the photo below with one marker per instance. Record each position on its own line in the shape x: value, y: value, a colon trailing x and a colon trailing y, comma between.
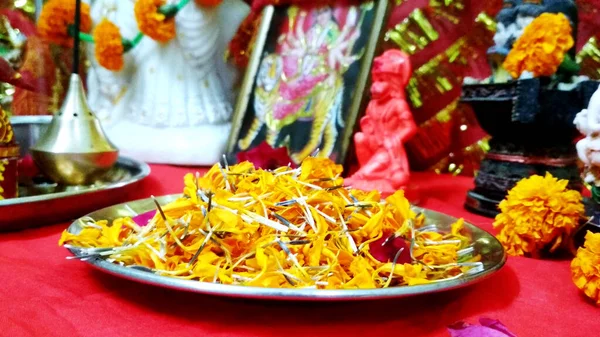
x: 109, y: 45
x: 586, y: 267
x: 542, y: 47
x: 57, y: 16
x: 152, y: 23
x: 539, y: 213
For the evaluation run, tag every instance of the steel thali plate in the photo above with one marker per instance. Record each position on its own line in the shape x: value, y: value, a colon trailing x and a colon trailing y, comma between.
x: 485, y: 244
x: 44, y: 203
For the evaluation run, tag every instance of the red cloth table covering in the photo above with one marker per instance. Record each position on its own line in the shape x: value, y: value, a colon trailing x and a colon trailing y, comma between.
x: 43, y: 294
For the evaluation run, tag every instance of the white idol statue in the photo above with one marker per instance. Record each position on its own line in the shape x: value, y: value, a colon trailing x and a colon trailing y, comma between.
x: 588, y: 149
x: 172, y: 102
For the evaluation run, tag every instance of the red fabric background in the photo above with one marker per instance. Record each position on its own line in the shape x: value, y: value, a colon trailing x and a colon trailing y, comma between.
x: 43, y: 294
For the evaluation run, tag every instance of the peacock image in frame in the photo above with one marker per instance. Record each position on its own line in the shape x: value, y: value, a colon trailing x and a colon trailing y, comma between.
x: 304, y: 86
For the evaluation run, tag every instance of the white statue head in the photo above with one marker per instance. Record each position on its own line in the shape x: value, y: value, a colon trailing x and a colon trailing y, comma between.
x: 588, y: 149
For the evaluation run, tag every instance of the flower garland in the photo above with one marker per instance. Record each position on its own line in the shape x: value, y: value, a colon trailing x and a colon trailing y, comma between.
x: 57, y: 17
x: 152, y: 22
x: 109, y: 47
x: 155, y: 19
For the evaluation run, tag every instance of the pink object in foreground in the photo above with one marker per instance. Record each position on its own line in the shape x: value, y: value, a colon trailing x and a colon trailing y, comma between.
x: 488, y: 328
x: 143, y: 219
x: 387, y: 125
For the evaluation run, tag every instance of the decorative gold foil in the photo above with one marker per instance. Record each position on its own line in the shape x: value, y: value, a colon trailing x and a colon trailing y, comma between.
x: 489, y: 22
x: 465, y: 162
x: 589, y: 59
x: 436, y: 76
x: 9, y: 151
x: 414, y: 33
x: 448, y: 9
x: 27, y: 6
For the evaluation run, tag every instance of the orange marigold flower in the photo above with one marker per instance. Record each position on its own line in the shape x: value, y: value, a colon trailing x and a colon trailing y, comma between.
x: 109, y: 45
x: 542, y: 47
x: 539, y: 213
x: 57, y: 16
x: 152, y: 23
x: 585, y: 267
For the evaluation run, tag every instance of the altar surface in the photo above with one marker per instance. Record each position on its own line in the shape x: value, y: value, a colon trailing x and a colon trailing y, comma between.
x: 44, y: 294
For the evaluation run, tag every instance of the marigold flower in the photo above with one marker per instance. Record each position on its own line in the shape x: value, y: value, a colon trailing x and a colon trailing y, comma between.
x: 57, y: 16
x: 539, y: 213
x: 585, y: 267
x: 109, y: 45
x: 542, y: 47
x: 152, y: 23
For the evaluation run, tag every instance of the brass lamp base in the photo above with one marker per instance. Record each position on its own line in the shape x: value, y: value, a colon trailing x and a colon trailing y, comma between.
x: 74, y: 149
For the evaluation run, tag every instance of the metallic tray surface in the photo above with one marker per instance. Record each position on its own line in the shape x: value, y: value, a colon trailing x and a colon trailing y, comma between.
x: 485, y: 244
x: 48, y: 203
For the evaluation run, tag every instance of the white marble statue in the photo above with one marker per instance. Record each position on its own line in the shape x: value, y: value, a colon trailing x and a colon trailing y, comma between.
x: 172, y: 102
x: 588, y: 149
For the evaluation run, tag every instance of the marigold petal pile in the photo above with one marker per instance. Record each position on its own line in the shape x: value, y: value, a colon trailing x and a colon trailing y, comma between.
x: 286, y: 228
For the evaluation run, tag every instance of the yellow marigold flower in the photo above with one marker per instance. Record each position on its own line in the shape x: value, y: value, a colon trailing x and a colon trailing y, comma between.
x: 542, y: 47
x: 538, y: 213
x: 57, y: 16
x: 586, y: 267
x: 109, y: 45
x: 152, y: 23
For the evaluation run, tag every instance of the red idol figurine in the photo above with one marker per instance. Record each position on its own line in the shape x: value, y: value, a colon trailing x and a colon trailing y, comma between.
x: 386, y: 126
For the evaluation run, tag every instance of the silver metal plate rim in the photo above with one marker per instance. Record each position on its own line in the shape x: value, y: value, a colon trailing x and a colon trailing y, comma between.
x: 144, y: 171
x: 309, y: 295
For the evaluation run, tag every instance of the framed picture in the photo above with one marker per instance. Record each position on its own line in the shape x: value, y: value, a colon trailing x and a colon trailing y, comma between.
x: 306, y: 82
